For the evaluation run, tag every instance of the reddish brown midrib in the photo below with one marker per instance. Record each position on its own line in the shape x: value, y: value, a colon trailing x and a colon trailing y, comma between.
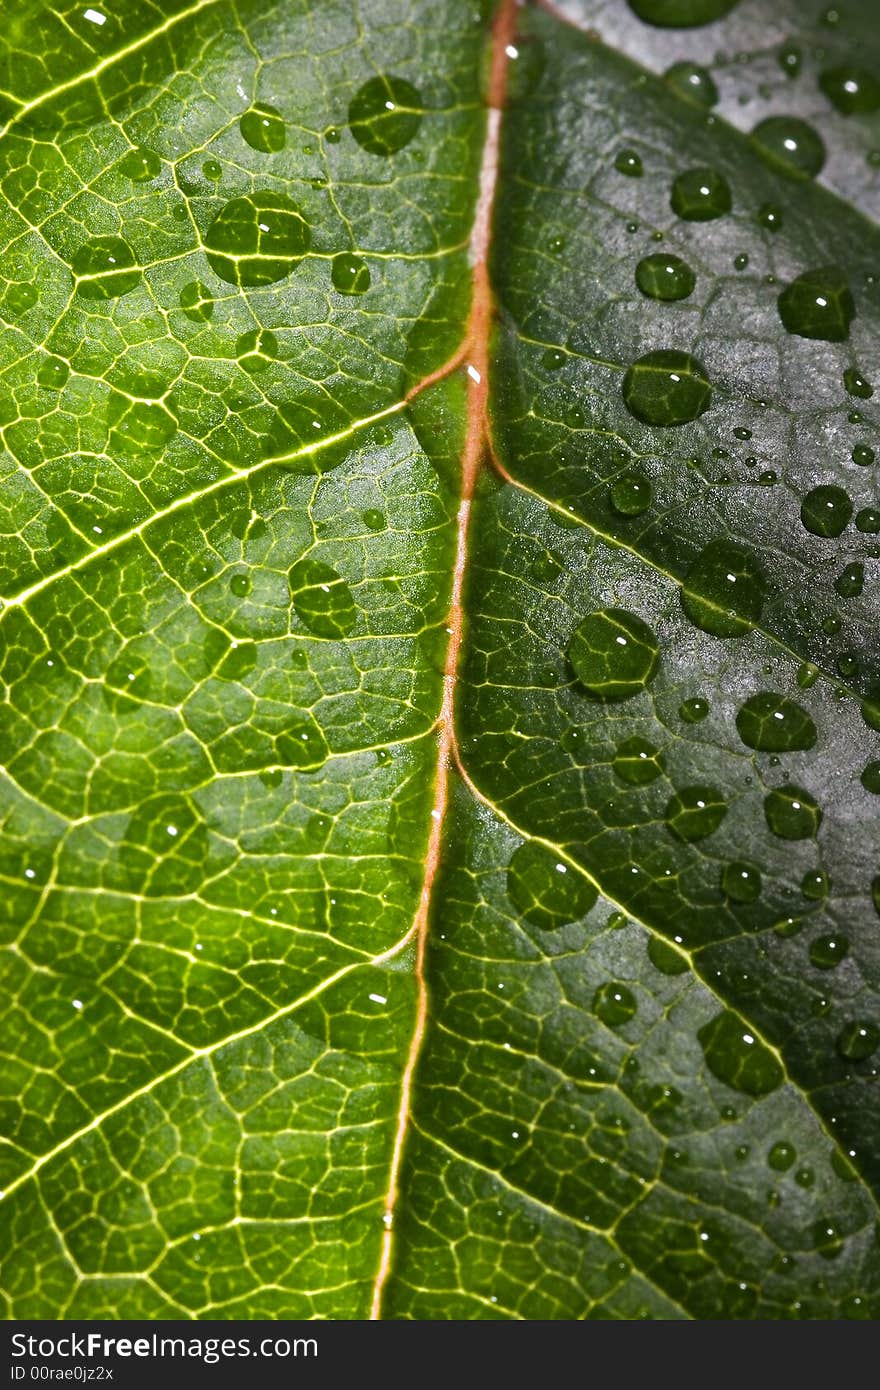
x: 473, y: 356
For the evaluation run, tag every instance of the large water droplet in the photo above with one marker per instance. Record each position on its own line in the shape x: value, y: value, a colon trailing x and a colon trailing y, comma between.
x: 680, y: 14
x: 741, y: 882
x: 693, y: 82
x: 665, y: 958
x: 546, y: 892
x: 105, y: 268
x: 322, y: 599
x: 53, y: 372
x: 257, y: 239
x: 791, y: 813
x: 630, y: 495
x: 826, y: 510
x: 667, y: 387
x: 790, y: 146
x: 857, y: 384
x: 614, y: 1004
x: 384, y: 114
x: 197, y: 302
x: 782, y: 1156
x: 700, y: 195
x: 350, y: 274
x: 857, y: 1040
x: 614, y: 654
x: 774, y: 724
x: 737, y: 1057
x: 826, y: 952
x: 638, y: 762
x: 694, y: 813
x: 818, y: 304
x: 140, y: 164
x: 827, y: 1238
x: 853, y: 90
x: 723, y: 590
x: 263, y: 129
x: 664, y: 276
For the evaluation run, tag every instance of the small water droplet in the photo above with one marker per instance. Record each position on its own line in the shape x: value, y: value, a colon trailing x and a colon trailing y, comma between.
x: 723, y: 590
x: 667, y: 387
x: 322, y: 599
x: 781, y: 1156
x: 140, y: 164
x: 629, y: 162
x: 664, y: 276
x: 818, y: 304
x: 350, y: 274
x: 263, y: 129
x: 826, y: 952
x: 789, y: 145
x: 851, y: 89
x: 694, y: 710
x: 791, y: 813
x: 53, y: 373
x: 105, y: 268
x: 196, y: 302
x: 775, y: 724
x: 614, y: 1004
x: 741, y: 882
x: 857, y: 1041
x: 694, y: 813
x: 630, y: 495
x: 693, y: 82
x: 770, y: 215
x: 638, y: 762
x: 826, y: 510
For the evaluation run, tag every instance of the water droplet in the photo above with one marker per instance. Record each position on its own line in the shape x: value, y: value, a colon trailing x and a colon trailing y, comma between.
x: 815, y: 885
x: 856, y: 384
x: 374, y: 519
x: 256, y: 350
x: 723, y: 590
x: 667, y: 388
x: 737, y: 1057
x: 664, y: 276
x: 789, y: 59
x: 790, y: 146
x: 788, y: 926
x: 614, y: 654
x: 553, y: 359
x: 384, y: 114
x: 868, y: 521
x: 870, y: 778
x: 694, y: 813
x: 53, y: 373
x: 770, y: 215
x: 691, y: 81
x: 774, y: 724
x: 322, y: 599
x: 263, y: 129
x: 140, y: 164
x: 242, y: 656
x: 818, y: 304
x: 700, y: 195
x: 196, y: 302
x: 212, y: 169
x: 630, y: 495
x: 547, y: 893
x: 856, y: 1041
x: 240, y: 584
x: 665, y: 957
x: 741, y: 882
x: 782, y: 1156
x: 863, y: 455
x: 616, y: 921
x: 105, y: 268
x: 350, y: 274
x: 792, y: 813
x: 638, y: 762
x: 827, y: 1238
x: 848, y: 664
x: 826, y: 952
x: 140, y: 424
x: 851, y: 580
x: 614, y: 1004
x: 257, y: 239
x: 853, y: 90
x: 807, y: 675
x: 629, y: 162
x: 302, y: 745
x: 680, y: 14
x: 826, y: 510
x: 805, y: 1177
x: 694, y: 710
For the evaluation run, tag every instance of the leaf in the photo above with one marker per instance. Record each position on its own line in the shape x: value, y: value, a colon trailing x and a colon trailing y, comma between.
x: 323, y: 1005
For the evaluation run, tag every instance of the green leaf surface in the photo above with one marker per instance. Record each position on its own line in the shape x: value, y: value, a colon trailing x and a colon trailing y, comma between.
x: 302, y: 1021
